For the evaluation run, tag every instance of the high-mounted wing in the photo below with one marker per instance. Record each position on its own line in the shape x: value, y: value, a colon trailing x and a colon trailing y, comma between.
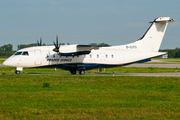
x: 75, y: 50
x: 89, y: 47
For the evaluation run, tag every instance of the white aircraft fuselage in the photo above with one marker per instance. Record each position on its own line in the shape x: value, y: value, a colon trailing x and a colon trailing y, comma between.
x: 85, y: 57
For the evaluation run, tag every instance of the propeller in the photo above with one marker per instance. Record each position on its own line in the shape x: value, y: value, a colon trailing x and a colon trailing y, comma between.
x: 57, y: 46
x: 39, y: 43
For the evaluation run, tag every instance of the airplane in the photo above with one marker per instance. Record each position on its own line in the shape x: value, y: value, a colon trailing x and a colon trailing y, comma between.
x: 80, y: 58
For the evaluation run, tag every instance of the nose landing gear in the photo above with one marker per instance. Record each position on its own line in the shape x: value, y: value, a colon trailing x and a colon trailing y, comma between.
x: 17, y: 72
x: 18, y: 69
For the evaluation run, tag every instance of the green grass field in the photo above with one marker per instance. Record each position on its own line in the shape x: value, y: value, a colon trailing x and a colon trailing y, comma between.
x: 2, y: 60
x: 89, y: 97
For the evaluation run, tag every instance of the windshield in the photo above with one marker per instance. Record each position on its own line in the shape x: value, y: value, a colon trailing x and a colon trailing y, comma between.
x: 22, y: 53
x: 18, y: 53
x: 25, y: 53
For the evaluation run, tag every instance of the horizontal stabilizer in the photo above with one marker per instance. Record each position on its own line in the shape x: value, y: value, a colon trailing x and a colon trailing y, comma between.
x: 163, y: 20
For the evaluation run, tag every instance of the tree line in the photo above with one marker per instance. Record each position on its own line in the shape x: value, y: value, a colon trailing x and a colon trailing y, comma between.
x: 6, y: 50
x: 172, y: 53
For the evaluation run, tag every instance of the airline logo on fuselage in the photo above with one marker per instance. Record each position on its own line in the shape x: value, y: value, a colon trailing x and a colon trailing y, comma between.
x: 60, y: 60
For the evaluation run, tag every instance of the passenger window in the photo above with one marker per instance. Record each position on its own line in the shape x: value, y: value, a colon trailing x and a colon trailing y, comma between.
x: 112, y: 55
x: 97, y: 56
x: 25, y: 53
x: 90, y: 56
x: 106, y: 56
x: 18, y: 53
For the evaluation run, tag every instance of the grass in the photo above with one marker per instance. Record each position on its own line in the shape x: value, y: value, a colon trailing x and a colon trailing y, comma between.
x: 89, y: 97
x: 140, y: 70
x: 2, y: 60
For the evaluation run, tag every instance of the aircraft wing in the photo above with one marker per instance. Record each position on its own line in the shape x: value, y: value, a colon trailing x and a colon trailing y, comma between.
x: 79, y: 49
x: 89, y: 47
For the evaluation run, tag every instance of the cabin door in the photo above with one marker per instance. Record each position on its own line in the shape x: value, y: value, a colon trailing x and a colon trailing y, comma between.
x: 38, y: 59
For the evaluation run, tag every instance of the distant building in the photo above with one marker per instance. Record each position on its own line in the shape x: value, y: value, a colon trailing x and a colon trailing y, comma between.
x: 164, y: 56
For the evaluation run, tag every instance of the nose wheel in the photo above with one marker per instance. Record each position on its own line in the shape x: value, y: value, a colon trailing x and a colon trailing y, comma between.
x: 17, y: 72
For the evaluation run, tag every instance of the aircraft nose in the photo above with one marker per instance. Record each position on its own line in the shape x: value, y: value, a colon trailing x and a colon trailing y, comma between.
x: 8, y: 63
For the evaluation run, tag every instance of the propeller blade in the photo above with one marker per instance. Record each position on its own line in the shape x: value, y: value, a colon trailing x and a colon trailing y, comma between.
x: 57, y: 40
x: 56, y: 50
x: 40, y: 41
x: 37, y: 42
x: 57, y: 46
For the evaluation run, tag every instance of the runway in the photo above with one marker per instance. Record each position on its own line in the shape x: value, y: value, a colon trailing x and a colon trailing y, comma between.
x: 173, y: 74
x: 155, y: 65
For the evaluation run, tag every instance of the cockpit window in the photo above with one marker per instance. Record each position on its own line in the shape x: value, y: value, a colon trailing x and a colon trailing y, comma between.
x: 18, y: 53
x: 25, y: 53
x: 22, y: 53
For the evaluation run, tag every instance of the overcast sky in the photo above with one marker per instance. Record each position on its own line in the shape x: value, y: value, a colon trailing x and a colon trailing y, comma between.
x: 114, y: 22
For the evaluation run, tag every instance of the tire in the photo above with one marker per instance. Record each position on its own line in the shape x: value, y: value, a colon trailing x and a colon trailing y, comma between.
x: 82, y: 72
x: 17, y: 72
x: 73, y: 72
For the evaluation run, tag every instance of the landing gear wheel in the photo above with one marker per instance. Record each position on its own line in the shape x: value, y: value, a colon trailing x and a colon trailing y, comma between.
x: 17, y: 72
x: 73, y: 72
x: 82, y: 72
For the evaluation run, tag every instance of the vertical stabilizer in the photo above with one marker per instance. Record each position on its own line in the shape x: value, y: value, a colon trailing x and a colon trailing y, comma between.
x: 152, y: 38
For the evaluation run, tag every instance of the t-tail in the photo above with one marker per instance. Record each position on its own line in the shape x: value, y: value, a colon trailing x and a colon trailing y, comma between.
x: 152, y: 38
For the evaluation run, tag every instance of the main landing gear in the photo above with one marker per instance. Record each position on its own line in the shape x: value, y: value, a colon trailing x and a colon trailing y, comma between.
x: 81, y: 72
x: 73, y: 72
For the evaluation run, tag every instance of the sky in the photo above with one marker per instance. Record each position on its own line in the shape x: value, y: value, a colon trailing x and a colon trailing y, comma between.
x: 114, y: 22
